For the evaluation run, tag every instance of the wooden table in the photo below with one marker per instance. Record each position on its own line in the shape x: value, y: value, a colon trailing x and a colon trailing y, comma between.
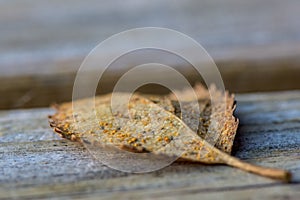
x: 35, y: 163
x: 255, y: 44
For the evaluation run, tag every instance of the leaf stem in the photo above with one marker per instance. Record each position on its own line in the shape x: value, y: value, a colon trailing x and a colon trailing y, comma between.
x: 263, y: 171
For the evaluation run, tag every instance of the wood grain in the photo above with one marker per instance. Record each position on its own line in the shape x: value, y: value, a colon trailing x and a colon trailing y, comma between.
x: 36, y: 164
x: 42, y: 44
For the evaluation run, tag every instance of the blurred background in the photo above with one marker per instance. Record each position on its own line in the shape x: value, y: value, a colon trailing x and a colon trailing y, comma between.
x: 255, y: 44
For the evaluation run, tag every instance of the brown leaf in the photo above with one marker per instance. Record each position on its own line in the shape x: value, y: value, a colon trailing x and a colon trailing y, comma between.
x: 152, y: 126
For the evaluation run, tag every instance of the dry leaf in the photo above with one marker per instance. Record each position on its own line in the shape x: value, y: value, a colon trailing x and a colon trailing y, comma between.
x: 152, y: 126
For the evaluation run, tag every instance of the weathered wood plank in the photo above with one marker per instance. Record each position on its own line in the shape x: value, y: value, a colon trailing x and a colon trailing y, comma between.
x: 43, y: 44
x: 268, y: 192
x: 35, y: 163
x: 38, y: 90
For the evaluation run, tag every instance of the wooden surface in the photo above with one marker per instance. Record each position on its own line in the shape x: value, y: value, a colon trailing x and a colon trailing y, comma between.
x: 35, y: 163
x: 42, y: 43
